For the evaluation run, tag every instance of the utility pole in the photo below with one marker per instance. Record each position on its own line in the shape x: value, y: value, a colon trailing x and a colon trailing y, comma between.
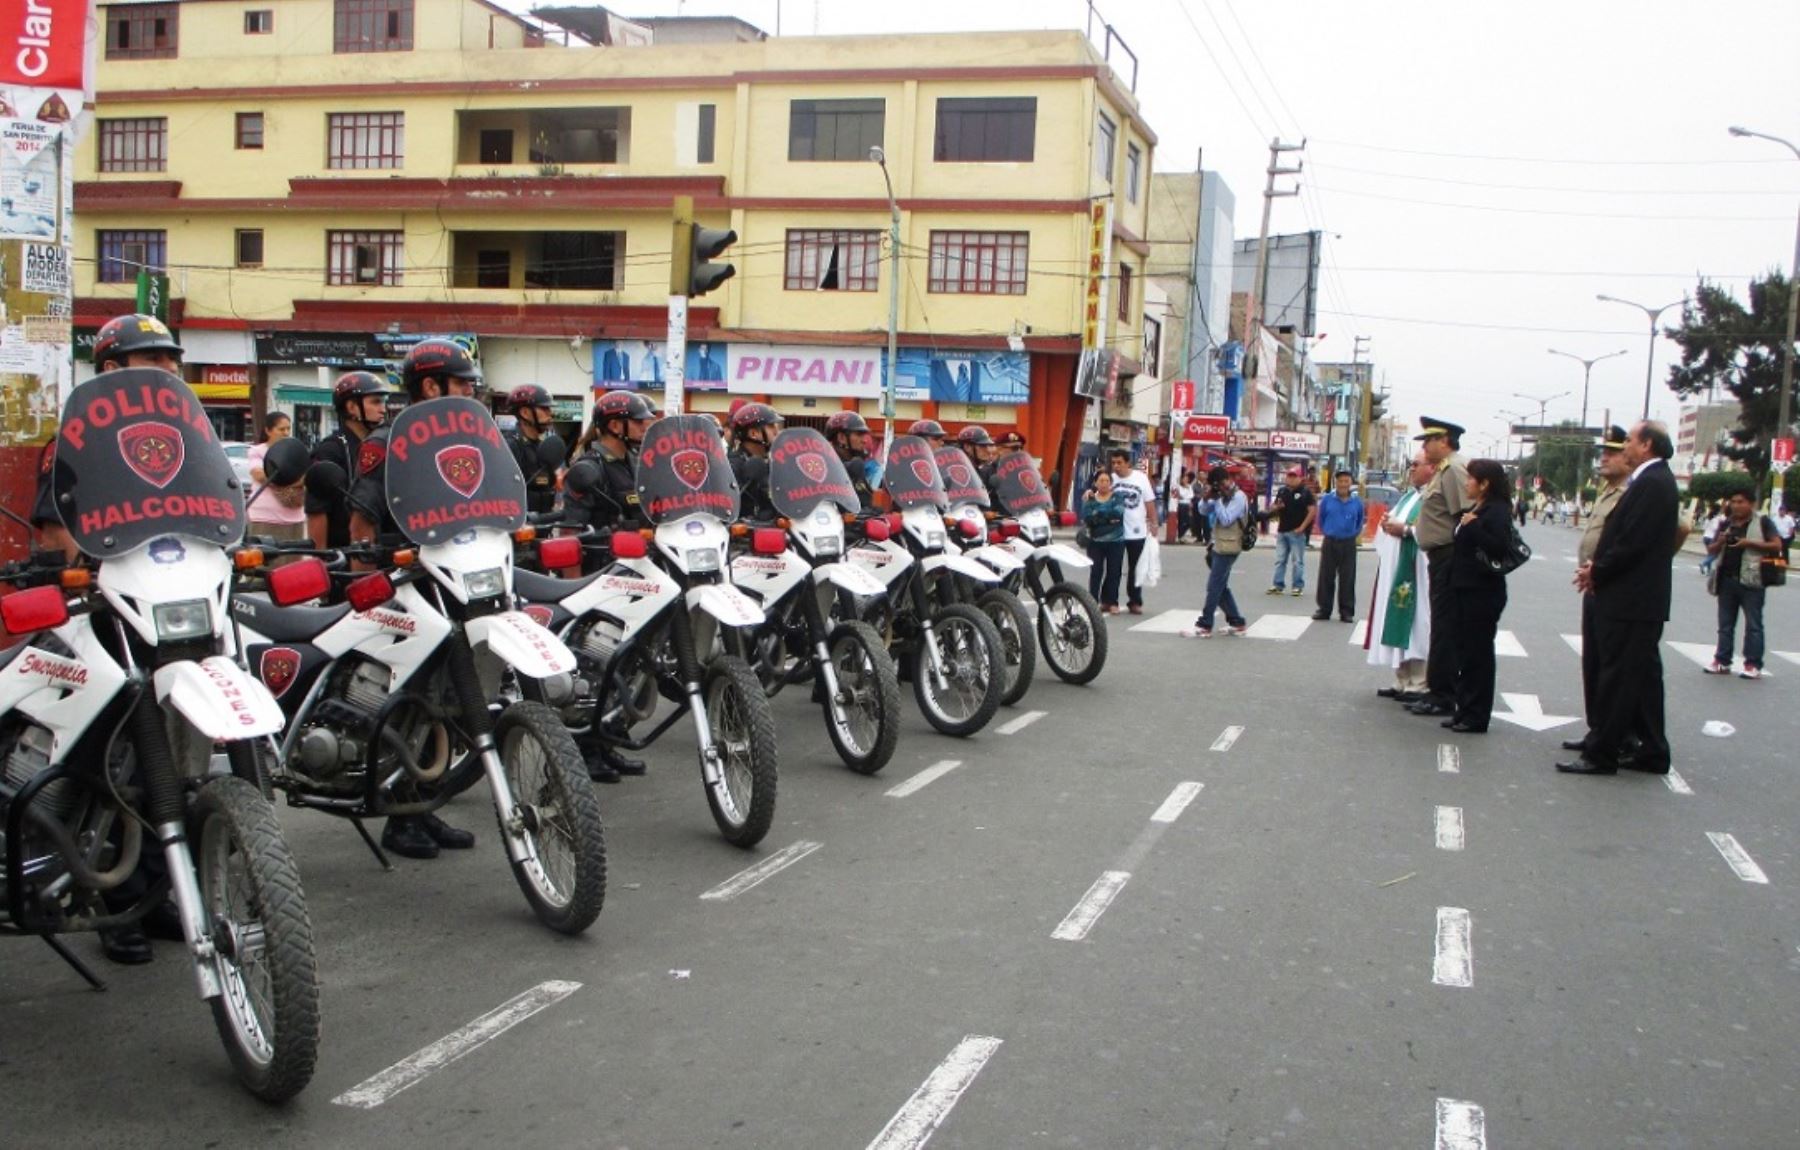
x: 1365, y: 394
x: 1253, y: 306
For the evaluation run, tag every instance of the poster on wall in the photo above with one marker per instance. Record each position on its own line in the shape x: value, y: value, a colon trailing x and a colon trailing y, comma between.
x: 637, y: 364
x: 999, y: 378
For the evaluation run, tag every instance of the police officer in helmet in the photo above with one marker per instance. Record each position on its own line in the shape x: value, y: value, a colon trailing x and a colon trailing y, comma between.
x: 930, y: 430
x: 532, y: 410
x: 754, y: 427
x: 360, y: 400
x: 848, y: 434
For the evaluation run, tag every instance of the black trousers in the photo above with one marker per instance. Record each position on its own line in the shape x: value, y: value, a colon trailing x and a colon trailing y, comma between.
x: 1440, y: 665
x: 1337, y: 567
x: 1628, y: 691
x: 1477, y: 622
x: 1134, y: 595
x: 1590, y: 661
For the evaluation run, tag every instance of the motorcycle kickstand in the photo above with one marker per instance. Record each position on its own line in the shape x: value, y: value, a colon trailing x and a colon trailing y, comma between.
x: 372, y: 845
x: 73, y: 960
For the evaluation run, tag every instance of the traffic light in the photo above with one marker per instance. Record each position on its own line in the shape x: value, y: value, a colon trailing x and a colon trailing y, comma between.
x: 1377, y: 406
x: 706, y: 243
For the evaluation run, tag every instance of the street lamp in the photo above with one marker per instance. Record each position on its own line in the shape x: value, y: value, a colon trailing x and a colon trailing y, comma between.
x: 1587, y: 368
x: 1650, y: 359
x: 893, y: 354
x: 1516, y: 417
x: 1787, y: 348
x: 1542, y: 402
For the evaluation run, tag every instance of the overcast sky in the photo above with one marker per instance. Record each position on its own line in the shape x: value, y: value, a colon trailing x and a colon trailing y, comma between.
x: 1481, y: 172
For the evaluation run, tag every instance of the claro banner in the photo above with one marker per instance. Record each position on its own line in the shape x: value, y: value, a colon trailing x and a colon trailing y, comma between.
x: 46, y: 44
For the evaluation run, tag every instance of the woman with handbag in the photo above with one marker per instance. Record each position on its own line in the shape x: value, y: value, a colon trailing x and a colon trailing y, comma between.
x: 279, y: 512
x: 1485, y: 551
x: 1103, y: 516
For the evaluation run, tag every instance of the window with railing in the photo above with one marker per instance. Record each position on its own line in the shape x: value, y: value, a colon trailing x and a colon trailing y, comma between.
x: 364, y: 259
x: 839, y: 131
x: 137, y: 145
x: 142, y: 31
x: 989, y: 130
x: 833, y: 260
x: 979, y: 263
x: 362, y: 140
x: 125, y: 253
x: 372, y: 26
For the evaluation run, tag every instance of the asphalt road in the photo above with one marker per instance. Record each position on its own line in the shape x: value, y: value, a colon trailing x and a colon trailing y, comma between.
x: 1337, y: 941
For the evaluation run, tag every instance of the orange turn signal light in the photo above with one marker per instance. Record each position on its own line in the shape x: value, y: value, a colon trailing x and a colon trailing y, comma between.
x: 405, y: 558
x: 248, y: 559
x: 525, y: 534
x: 77, y: 579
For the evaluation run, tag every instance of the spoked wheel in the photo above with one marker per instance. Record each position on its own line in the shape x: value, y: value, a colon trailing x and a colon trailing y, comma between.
x: 968, y: 648
x: 268, y: 1015
x: 1017, y: 649
x: 559, y: 817
x: 1071, y: 633
x: 869, y: 693
x: 743, y: 735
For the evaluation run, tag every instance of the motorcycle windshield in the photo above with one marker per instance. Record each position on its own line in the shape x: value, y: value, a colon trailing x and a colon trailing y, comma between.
x: 137, y: 459
x: 912, y: 474
x: 449, y: 471
x: 961, y: 482
x: 1019, y: 485
x: 804, y: 471
x: 682, y: 471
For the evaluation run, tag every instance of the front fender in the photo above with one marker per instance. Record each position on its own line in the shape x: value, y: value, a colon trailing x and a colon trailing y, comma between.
x: 1065, y: 555
x: 961, y: 565
x: 993, y: 555
x: 518, y: 640
x: 725, y: 603
x: 850, y: 577
x: 219, y: 698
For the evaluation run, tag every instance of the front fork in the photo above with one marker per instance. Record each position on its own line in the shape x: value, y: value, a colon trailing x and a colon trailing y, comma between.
x: 818, y: 627
x: 478, y: 722
x: 934, y: 663
x: 693, y: 686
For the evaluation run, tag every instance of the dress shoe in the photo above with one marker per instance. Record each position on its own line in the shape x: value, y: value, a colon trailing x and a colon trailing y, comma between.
x: 1409, y: 697
x: 408, y: 838
x: 1462, y: 728
x: 1575, y: 744
x: 1346, y: 618
x: 1136, y: 609
x: 1321, y: 616
x: 446, y: 836
x: 126, y: 945
x: 1430, y: 707
x: 1387, y: 692
x: 1583, y: 766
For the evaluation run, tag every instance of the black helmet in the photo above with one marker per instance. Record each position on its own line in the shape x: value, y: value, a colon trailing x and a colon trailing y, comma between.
x: 529, y: 395
x: 432, y: 358
x: 927, y: 429
x: 121, y: 336
x: 974, y: 437
x: 354, y: 385
x: 753, y: 415
x: 845, y: 421
x: 623, y: 405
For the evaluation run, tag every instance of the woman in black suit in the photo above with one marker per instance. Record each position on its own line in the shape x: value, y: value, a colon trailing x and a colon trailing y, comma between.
x: 1480, y: 592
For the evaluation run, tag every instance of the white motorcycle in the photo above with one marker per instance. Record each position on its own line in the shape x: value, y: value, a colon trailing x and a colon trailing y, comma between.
x: 129, y: 733
x: 387, y: 693
x: 650, y: 625
x: 1070, y: 628
x: 968, y: 504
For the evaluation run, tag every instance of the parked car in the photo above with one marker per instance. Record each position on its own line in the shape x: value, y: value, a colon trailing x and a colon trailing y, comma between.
x: 239, y: 454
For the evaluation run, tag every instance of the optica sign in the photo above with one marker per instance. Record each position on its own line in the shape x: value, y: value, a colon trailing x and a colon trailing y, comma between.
x: 1206, y: 430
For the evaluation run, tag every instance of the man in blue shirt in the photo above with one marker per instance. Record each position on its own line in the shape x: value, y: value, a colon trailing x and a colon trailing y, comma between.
x: 1341, y: 521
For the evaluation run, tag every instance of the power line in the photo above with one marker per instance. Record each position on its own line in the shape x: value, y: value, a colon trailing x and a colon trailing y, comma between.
x: 1545, y: 159
x: 1553, y: 211
x: 1559, y: 189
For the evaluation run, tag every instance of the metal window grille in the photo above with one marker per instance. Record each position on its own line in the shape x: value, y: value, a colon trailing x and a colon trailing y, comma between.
x: 142, y: 31
x: 979, y: 263
x: 358, y: 140
x: 249, y: 130
x: 986, y: 130
x: 372, y: 26
x: 833, y: 260
x: 124, y: 253
x: 364, y: 259
x: 140, y: 145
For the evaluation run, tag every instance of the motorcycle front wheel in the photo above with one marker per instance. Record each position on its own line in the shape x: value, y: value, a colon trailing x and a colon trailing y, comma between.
x: 566, y: 883
x: 968, y: 648
x: 743, y: 734
x: 869, y: 691
x: 1071, y: 632
x: 1017, y: 650
x: 268, y: 1015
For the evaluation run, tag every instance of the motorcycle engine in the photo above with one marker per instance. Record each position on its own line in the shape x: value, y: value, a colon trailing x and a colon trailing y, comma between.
x: 27, y: 754
x: 597, y: 647
x: 334, y: 743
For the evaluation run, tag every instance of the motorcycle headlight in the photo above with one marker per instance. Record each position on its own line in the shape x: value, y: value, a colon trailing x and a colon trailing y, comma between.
x: 485, y: 584
x: 829, y: 545
x: 1038, y: 535
x: 934, y: 539
x: 189, y: 619
x: 702, y: 559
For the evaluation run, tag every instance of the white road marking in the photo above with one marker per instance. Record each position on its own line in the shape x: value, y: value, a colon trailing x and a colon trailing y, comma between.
x: 1453, y: 964
x: 1527, y: 712
x: 1507, y: 645
x: 1280, y: 628
x: 1177, y: 802
x: 766, y: 869
x: 1449, y: 759
x: 1676, y: 783
x: 1227, y: 737
x: 930, y: 1104
x: 411, y: 1070
x: 1790, y: 656
x: 1449, y: 828
x: 1460, y: 1126
x: 1574, y: 642
x: 924, y: 778
x: 1076, y: 924
x: 1737, y: 858
x: 1020, y: 723
x: 1360, y: 633
x: 1168, y: 622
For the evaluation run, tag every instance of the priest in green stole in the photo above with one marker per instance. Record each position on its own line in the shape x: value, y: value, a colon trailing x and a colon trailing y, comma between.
x: 1399, y: 634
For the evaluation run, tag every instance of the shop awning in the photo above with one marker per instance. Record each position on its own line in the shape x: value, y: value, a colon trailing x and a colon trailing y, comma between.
x: 320, y: 396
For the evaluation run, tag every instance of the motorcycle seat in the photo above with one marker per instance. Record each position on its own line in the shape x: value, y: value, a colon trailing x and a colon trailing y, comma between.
x: 535, y: 588
x: 286, y: 624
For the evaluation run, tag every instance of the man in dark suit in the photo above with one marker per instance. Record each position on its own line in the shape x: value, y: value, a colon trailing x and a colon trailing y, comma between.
x: 1630, y: 576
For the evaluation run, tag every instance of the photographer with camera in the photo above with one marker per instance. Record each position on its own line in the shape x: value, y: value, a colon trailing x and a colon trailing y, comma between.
x: 1227, y: 510
x: 1739, y: 544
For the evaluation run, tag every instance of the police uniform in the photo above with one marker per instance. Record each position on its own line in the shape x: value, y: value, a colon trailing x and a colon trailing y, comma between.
x: 368, y: 483
x: 343, y: 449
x: 614, y: 500
x: 540, y: 481
x: 752, y: 472
x: 1439, y: 512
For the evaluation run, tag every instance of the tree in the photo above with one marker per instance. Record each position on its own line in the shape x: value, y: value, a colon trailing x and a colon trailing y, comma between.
x: 1717, y: 486
x: 1729, y: 347
x: 1565, y: 461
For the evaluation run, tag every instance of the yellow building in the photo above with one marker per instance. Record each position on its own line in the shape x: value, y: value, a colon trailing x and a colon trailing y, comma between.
x: 324, y: 181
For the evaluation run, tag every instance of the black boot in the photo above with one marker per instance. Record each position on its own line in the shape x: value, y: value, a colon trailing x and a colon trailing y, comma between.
x: 621, y: 763
x: 126, y: 945
x: 407, y: 837
x: 446, y: 836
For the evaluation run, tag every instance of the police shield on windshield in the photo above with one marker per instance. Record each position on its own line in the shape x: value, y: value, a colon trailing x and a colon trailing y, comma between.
x: 682, y: 471
x: 449, y: 471
x: 912, y: 474
x: 137, y: 459
x: 805, y: 471
x: 1019, y: 485
x: 961, y: 483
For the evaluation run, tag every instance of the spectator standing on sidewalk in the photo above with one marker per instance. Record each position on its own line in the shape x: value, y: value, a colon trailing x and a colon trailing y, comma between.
x: 1740, y: 544
x: 1228, y: 510
x: 1613, y: 472
x: 1181, y: 505
x: 1138, y: 495
x: 1294, y: 510
x: 1103, y: 514
x: 1444, y: 504
x: 1341, y: 522
x: 1784, y: 525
